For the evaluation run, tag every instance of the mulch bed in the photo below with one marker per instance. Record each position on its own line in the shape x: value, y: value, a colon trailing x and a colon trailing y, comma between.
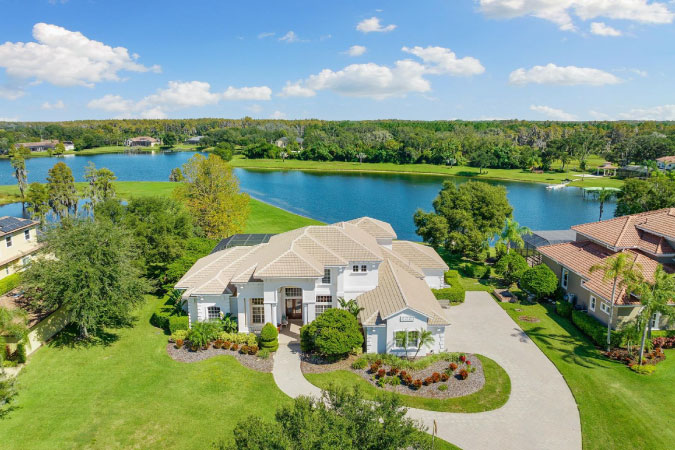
x: 456, y: 386
x: 622, y: 355
x: 530, y: 319
x: 183, y: 354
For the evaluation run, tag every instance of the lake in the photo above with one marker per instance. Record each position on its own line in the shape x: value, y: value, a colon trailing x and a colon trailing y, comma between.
x: 331, y: 197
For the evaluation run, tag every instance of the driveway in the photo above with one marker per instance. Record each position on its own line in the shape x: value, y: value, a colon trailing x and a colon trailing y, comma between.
x: 541, y: 412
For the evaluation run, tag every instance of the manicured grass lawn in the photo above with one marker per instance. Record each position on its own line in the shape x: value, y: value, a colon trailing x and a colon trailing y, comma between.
x: 494, y: 394
x: 428, y: 169
x: 618, y: 408
x: 130, y: 394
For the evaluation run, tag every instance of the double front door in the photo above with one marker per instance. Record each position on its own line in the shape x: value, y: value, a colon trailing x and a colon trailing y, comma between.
x: 293, y: 303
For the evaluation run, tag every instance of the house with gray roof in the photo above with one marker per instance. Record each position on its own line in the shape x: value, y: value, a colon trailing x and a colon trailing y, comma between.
x: 299, y: 274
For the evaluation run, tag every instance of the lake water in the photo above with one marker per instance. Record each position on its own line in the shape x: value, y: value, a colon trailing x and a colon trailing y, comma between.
x: 331, y: 197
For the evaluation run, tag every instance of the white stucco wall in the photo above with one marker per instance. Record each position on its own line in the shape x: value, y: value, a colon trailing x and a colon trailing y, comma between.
x: 409, y: 320
x: 376, y: 339
x: 356, y: 283
x: 198, y: 306
x: 435, y: 278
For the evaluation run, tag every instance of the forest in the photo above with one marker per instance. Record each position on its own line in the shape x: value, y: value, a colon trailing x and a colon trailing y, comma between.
x: 485, y: 144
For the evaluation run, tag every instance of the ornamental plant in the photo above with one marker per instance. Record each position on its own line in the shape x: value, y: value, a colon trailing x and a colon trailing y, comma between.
x: 453, y: 366
x: 463, y: 374
x: 539, y: 280
x: 179, y: 343
x: 381, y: 373
x: 334, y: 334
x: 417, y: 384
x: 234, y: 347
x: 445, y: 377
x: 269, y: 337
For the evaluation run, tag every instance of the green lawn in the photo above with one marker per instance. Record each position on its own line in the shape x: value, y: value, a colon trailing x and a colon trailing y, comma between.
x: 130, y: 394
x: 494, y: 394
x: 427, y: 169
x: 618, y: 408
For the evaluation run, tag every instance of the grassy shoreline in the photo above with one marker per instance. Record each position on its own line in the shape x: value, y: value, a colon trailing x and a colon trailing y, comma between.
x: 111, y: 149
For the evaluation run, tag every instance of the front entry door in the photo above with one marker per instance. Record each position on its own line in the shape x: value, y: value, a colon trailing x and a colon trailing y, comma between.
x: 294, y: 308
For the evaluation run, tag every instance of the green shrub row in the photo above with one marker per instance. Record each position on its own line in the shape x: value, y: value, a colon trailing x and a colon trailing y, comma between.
x: 178, y: 323
x: 404, y: 364
x: 595, y: 330
x: 455, y: 293
x: 165, y: 317
x: 9, y: 282
x: 564, y: 308
x: 663, y: 333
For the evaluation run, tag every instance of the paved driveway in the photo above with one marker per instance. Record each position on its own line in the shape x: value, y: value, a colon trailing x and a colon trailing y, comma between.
x: 541, y: 413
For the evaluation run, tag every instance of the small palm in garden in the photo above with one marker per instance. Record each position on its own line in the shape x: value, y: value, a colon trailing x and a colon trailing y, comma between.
x: 425, y: 339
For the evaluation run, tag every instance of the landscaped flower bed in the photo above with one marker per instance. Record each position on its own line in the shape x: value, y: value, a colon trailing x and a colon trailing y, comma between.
x: 247, y: 358
x: 631, y: 358
x: 444, y: 375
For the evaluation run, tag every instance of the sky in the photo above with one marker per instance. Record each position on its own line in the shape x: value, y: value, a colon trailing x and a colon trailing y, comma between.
x: 339, y: 60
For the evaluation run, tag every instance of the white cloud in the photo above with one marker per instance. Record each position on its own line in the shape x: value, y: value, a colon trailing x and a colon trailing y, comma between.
x: 265, y: 35
x: 562, y: 75
x: 9, y: 119
x: 373, y: 25
x: 598, y: 115
x: 356, y: 50
x: 444, y: 61
x: 56, y: 105
x: 296, y: 90
x: 601, y: 29
x: 178, y: 95
x: 552, y: 113
x: 662, y: 112
x: 290, y: 37
x: 66, y: 58
x: 248, y: 93
x: 560, y: 11
x: 11, y: 92
x: 255, y: 108
x: 378, y: 81
x: 278, y: 115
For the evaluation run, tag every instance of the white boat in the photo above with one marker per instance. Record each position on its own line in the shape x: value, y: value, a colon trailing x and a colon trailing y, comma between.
x: 556, y: 186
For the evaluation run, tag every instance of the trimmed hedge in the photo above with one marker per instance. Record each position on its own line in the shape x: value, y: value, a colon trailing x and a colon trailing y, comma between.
x: 269, y: 337
x: 564, y: 308
x: 178, y: 323
x: 455, y: 293
x: 595, y: 330
x: 9, y: 282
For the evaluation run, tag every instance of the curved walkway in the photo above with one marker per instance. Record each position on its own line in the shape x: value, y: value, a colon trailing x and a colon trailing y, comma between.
x: 540, y: 414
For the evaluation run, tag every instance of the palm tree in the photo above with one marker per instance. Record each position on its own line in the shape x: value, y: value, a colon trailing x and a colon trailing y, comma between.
x: 513, y: 234
x: 350, y: 306
x: 604, y: 195
x: 18, y: 162
x: 655, y: 298
x: 424, y: 338
x: 613, y: 268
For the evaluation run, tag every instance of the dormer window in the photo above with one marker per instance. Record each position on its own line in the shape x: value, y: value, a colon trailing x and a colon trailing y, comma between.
x: 364, y: 268
x: 355, y: 268
x: 326, y: 276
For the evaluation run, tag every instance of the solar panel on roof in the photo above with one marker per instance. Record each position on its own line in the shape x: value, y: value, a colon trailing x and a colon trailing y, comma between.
x: 242, y: 240
x: 8, y: 224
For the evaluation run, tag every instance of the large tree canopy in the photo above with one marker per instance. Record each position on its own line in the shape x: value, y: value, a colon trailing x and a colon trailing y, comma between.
x: 91, y: 271
x: 210, y: 189
x: 465, y: 218
x: 638, y: 196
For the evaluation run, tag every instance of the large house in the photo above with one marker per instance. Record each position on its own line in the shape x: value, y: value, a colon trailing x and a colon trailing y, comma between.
x: 141, y: 141
x: 40, y: 146
x: 18, y: 242
x: 647, y: 238
x: 299, y: 274
x: 666, y: 163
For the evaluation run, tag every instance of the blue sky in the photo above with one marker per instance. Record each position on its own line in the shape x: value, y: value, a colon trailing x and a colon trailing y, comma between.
x: 430, y: 59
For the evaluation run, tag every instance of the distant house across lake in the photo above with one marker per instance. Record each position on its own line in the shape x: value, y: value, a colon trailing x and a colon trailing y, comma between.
x: 141, y: 141
x: 666, y: 163
x: 40, y: 146
x: 283, y: 142
x: 194, y: 140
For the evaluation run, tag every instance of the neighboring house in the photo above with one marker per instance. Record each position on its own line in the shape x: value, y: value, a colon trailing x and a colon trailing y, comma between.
x: 647, y: 238
x: 666, y: 163
x: 18, y: 242
x: 194, y: 140
x: 68, y: 145
x: 141, y: 141
x: 41, y: 146
x: 299, y: 274
x: 283, y: 142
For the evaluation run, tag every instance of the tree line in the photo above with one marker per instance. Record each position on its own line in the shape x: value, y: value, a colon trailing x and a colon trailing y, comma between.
x: 487, y: 144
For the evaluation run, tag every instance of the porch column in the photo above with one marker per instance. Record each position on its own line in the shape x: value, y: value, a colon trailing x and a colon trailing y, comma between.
x: 242, y: 314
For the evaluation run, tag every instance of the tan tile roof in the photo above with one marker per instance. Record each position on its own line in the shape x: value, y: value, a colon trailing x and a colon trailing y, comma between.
x: 666, y: 159
x: 374, y: 227
x: 642, y: 231
x: 421, y: 255
x: 397, y: 290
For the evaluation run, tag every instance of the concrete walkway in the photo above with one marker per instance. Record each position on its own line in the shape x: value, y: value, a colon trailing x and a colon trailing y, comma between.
x: 541, y: 412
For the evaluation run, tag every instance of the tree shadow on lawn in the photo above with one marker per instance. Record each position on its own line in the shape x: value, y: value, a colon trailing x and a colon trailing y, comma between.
x: 571, y: 350
x: 70, y: 337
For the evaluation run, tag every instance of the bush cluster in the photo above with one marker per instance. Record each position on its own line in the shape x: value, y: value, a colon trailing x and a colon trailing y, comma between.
x: 647, y: 369
x: 539, y: 280
x: 511, y: 267
x: 333, y: 334
x: 564, y: 308
x: 595, y: 330
x: 454, y: 293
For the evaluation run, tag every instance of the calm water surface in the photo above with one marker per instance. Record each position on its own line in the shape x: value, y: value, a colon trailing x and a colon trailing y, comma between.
x: 331, y: 197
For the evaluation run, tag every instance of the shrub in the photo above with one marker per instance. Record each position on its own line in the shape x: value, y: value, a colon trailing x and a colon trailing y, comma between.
x: 333, y: 334
x: 234, y: 347
x: 217, y: 344
x: 445, y: 377
x: 476, y: 270
x: 453, y: 366
x: 511, y: 267
x: 269, y: 337
x: 252, y: 349
x: 564, y: 308
x: 177, y: 323
x: 393, y: 371
x: 463, y: 374
x: 381, y: 373
x: 392, y: 381
x: 264, y: 353
x: 226, y: 345
x: 21, y: 353
x: 417, y: 384
x: 436, y: 377
x: 374, y: 367
x: 462, y: 358
x: 468, y: 363
x: 179, y: 334
x: 179, y: 343
x: 443, y: 387
x: 595, y: 330
x: 360, y: 364
x: 455, y: 293
x: 663, y: 342
x: 428, y: 381
x: 539, y: 280
x: 243, y: 349
x: 644, y: 369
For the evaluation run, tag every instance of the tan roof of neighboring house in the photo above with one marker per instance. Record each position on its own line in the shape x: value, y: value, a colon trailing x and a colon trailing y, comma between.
x: 642, y: 231
x: 50, y: 142
x: 374, y: 227
x: 666, y: 159
x: 579, y: 257
x: 397, y: 290
x: 144, y: 138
